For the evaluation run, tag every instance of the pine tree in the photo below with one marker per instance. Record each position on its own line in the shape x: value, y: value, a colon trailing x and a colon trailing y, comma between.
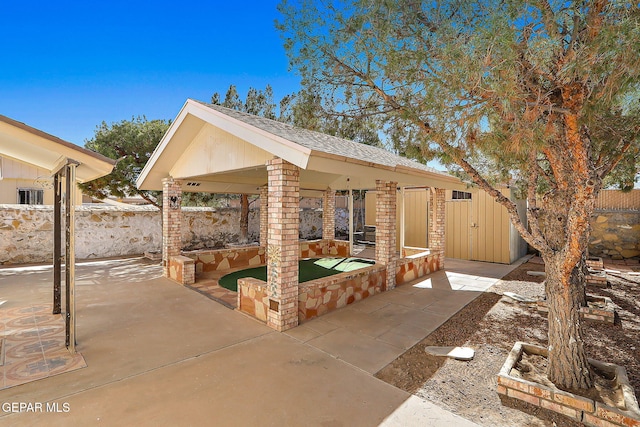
x: 543, y: 93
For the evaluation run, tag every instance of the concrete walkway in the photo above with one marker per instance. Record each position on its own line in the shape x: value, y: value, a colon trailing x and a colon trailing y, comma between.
x: 161, y: 354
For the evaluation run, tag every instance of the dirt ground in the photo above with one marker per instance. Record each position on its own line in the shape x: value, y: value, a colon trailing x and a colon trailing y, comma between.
x: 491, y: 324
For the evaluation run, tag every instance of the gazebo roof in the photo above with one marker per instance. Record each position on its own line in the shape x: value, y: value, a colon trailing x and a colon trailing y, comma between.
x: 216, y: 149
x: 30, y: 145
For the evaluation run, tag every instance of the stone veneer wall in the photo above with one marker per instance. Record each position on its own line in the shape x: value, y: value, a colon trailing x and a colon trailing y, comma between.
x: 225, y: 259
x: 253, y: 298
x: 416, y: 266
x: 181, y: 269
x: 324, y: 247
x: 249, y: 256
x: 321, y: 296
x: 26, y: 231
x: 615, y: 234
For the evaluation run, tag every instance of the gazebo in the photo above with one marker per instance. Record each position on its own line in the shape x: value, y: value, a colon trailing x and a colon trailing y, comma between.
x: 209, y: 148
x: 66, y: 164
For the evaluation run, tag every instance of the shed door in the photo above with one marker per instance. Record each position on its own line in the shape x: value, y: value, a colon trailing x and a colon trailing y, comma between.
x: 489, y: 229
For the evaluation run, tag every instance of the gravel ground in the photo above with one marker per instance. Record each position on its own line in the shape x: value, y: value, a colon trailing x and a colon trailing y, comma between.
x: 491, y: 324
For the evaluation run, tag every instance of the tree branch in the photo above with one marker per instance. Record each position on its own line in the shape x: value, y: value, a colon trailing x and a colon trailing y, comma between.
x: 621, y: 151
x: 146, y: 197
x: 532, y: 209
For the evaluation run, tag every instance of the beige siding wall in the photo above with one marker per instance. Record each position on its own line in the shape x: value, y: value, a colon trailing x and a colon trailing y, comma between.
x: 19, y: 170
x: 19, y: 175
x: 370, y: 208
x: 518, y: 246
x: 9, y: 191
x: 415, y: 218
x: 415, y: 212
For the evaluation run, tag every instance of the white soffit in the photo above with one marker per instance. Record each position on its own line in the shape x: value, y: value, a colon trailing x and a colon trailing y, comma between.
x: 35, y: 147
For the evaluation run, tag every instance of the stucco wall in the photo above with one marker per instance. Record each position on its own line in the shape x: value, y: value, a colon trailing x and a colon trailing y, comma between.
x: 26, y: 232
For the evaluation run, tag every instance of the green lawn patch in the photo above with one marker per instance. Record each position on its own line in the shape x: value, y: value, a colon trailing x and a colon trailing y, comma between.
x: 309, y: 269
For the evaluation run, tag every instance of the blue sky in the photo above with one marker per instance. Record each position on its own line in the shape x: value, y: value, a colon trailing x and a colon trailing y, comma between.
x: 66, y: 66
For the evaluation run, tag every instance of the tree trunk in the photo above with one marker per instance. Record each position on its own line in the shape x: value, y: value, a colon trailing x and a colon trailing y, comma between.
x: 568, y: 367
x: 244, y: 219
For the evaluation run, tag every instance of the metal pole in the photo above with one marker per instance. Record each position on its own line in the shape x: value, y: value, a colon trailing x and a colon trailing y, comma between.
x: 57, y: 244
x: 350, y: 222
x: 70, y: 258
x: 402, y: 224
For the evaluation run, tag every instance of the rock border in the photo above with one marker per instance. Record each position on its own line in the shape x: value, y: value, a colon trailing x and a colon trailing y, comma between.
x: 597, y: 278
x: 606, y: 314
x: 581, y: 409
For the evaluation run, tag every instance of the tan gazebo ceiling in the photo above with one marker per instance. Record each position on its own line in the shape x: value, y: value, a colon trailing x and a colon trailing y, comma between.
x: 215, y: 149
x: 30, y: 145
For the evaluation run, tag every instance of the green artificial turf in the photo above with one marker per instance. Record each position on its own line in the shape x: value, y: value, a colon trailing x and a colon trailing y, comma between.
x: 309, y: 269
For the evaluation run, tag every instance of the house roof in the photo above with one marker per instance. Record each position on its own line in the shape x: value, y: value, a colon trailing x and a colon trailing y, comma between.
x: 33, y: 146
x: 213, y: 148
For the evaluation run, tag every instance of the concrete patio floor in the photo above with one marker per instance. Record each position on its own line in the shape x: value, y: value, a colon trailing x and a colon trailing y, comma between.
x: 161, y: 354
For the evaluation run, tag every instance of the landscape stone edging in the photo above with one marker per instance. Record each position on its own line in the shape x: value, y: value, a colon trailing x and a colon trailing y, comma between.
x: 579, y: 408
x: 595, y: 262
x: 597, y: 278
x: 607, y: 314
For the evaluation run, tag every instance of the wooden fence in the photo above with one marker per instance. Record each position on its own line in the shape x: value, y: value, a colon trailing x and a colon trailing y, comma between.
x: 617, y: 200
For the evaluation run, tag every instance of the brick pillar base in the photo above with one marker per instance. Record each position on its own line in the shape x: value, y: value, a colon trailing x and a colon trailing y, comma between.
x: 283, y: 248
x: 171, y: 221
x: 264, y: 215
x: 329, y: 214
x: 437, y: 222
x: 386, y: 228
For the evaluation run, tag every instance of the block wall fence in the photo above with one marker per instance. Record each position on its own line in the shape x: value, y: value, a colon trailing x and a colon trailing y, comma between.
x: 26, y: 232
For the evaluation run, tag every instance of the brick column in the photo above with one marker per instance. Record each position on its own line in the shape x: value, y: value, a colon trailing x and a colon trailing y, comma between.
x: 329, y: 214
x: 386, y: 228
x: 264, y: 215
x: 171, y: 221
x: 283, y: 247
x: 436, y: 222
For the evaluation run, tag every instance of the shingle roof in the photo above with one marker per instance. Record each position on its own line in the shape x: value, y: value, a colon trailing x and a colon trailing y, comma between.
x: 324, y: 143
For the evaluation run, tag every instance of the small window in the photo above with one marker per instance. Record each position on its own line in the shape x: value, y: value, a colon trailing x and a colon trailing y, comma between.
x: 460, y: 195
x: 30, y: 196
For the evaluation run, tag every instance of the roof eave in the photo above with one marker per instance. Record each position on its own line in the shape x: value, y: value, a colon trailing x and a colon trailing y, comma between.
x: 292, y: 152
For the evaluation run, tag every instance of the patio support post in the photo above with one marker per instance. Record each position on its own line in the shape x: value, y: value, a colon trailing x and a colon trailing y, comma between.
x: 402, y: 220
x: 386, y: 228
x: 436, y: 222
x: 329, y: 214
x: 283, y: 245
x: 171, y: 222
x: 350, y: 204
x: 264, y: 215
x: 70, y: 257
x: 57, y: 243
